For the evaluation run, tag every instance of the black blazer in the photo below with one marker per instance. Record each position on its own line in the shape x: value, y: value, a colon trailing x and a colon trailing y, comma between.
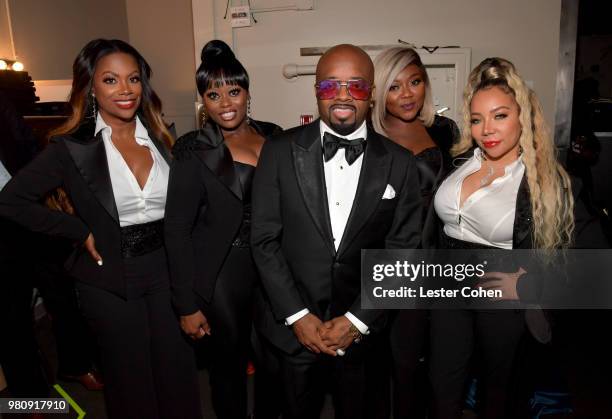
x: 17, y: 142
x: 77, y: 163
x: 291, y: 231
x: 522, y: 232
x: 203, y: 212
x: 18, y: 145
x: 444, y: 132
x: 530, y: 288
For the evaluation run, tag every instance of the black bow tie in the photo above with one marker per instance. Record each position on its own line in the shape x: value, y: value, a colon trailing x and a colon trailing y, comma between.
x: 353, y: 149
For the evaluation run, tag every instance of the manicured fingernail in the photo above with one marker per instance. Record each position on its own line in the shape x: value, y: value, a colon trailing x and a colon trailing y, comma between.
x: 100, y: 262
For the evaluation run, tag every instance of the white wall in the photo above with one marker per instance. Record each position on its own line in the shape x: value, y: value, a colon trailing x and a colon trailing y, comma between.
x: 48, y: 34
x: 162, y: 32
x: 5, y: 39
x: 524, y: 31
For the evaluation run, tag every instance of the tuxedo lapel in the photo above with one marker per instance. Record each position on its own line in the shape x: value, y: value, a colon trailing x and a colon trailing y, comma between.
x: 372, y: 184
x: 308, y: 162
x: 90, y: 159
x: 217, y: 157
x: 5, y: 155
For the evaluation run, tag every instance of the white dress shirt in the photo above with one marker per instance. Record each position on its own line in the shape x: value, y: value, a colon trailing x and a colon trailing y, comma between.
x: 341, y: 180
x: 486, y: 216
x: 135, y: 205
x: 5, y: 176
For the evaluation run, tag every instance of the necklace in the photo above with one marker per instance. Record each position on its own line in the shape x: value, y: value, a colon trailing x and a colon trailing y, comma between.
x: 485, y: 180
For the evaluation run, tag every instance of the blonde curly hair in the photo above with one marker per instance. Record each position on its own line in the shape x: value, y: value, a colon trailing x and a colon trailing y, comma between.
x: 552, y: 204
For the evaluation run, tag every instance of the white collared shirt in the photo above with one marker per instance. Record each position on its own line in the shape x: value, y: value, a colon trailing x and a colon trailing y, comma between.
x: 135, y: 205
x: 487, y: 216
x: 341, y: 180
x: 5, y: 176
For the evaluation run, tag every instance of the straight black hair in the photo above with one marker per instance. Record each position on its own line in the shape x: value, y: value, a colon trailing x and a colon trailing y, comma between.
x: 82, y: 102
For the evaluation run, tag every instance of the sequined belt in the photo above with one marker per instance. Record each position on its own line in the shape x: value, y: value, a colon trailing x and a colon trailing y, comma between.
x: 140, y: 239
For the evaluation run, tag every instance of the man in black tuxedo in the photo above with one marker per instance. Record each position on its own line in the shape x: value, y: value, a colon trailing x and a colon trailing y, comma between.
x: 323, y: 192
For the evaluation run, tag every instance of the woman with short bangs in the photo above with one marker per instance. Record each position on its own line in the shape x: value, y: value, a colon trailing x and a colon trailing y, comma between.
x: 208, y: 223
x: 111, y: 160
x: 509, y: 192
x: 404, y: 112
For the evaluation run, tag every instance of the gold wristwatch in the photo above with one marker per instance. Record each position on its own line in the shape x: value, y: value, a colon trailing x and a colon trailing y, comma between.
x: 355, y: 333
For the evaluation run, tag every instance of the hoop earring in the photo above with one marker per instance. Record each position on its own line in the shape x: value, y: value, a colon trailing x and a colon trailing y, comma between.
x: 248, y: 110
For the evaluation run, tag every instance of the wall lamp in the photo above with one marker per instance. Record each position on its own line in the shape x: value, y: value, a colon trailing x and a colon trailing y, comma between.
x: 6, y: 64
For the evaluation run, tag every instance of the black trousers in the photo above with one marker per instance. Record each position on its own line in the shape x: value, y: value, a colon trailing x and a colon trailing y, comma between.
x: 455, y: 336
x: 75, y: 344
x: 19, y: 355
x: 230, y: 315
x: 582, y: 342
x: 358, y: 382
x: 407, y: 338
x: 268, y: 397
x: 148, y: 365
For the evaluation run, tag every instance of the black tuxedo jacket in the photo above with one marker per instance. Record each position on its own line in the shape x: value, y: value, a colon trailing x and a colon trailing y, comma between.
x: 17, y: 142
x: 531, y: 289
x: 77, y: 163
x: 291, y: 231
x: 204, y: 211
x: 18, y: 145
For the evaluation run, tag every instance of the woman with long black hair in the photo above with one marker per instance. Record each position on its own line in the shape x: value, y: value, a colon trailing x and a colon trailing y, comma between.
x: 112, y: 161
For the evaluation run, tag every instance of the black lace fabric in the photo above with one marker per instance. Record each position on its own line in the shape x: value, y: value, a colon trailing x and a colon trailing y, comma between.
x: 245, y: 173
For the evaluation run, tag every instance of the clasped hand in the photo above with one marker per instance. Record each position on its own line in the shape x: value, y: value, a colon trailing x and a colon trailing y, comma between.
x: 323, y: 337
x: 504, y: 281
x: 195, y: 325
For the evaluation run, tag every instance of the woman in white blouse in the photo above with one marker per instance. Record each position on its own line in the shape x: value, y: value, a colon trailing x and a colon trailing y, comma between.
x: 111, y: 160
x: 510, y: 192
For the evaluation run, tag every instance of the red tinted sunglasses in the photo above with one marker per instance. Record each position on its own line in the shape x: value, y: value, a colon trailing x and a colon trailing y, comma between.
x: 329, y: 89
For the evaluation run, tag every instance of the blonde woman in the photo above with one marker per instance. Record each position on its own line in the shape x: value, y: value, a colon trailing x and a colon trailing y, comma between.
x: 404, y: 112
x: 505, y: 195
